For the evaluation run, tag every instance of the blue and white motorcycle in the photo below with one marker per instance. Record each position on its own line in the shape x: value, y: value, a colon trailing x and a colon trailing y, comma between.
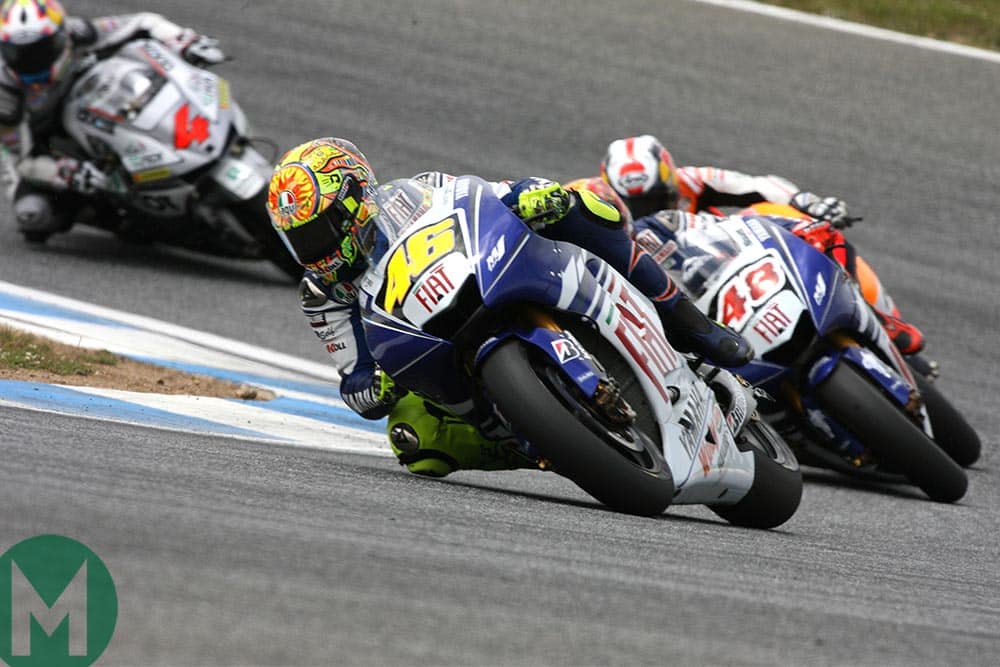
x: 841, y: 393
x: 467, y: 307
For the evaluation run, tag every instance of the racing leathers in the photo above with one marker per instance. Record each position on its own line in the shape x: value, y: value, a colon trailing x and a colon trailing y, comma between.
x: 46, y: 182
x: 710, y: 188
x: 431, y: 440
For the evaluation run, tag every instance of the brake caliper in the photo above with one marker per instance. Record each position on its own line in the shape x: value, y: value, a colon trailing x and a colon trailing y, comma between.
x: 608, y: 400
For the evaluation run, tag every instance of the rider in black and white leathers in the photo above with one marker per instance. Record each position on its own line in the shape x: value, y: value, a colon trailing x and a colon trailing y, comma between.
x: 46, y: 185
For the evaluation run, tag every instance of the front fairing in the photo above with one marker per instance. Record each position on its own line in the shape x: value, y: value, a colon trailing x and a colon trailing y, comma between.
x: 462, y: 250
x: 160, y: 116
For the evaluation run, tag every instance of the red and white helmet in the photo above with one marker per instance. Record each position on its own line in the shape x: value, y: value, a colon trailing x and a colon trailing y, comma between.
x: 641, y: 170
x: 34, y: 43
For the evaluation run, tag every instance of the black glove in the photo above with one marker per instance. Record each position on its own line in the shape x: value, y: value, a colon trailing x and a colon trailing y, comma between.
x: 203, y: 50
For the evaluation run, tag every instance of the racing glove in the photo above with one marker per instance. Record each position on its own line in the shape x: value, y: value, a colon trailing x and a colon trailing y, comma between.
x: 830, y: 209
x: 203, y: 50
x: 541, y: 202
x: 370, y: 392
x: 81, y: 176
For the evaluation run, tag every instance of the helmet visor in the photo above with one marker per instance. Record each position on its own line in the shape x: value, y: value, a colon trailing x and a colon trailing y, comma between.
x: 320, y: 238
x: 658, y: 199
x: 33, y: 62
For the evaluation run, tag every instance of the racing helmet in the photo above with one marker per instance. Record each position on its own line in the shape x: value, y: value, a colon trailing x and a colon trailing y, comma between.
x: 34, y: 43
x: 642, y: 171
x: 600, y: 187
x: 321, y: 203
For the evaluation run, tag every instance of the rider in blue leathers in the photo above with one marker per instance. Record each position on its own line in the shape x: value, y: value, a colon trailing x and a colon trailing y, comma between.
x: 661, y: 197
x: 321, y: 199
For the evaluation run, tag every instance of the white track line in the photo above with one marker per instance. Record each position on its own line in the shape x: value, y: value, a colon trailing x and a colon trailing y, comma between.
x: 855, y: 28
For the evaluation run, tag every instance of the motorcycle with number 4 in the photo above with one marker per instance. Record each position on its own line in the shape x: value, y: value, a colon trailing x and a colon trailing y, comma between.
x: 182, y: 168
x: 840, y: 392
x: 467, y: 307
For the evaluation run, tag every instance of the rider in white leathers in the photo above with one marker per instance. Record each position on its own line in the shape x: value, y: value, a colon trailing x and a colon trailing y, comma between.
x: 42, y: 50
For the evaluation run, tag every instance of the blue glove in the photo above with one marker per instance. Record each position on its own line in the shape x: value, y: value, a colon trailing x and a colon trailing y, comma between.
x: 370, y: 392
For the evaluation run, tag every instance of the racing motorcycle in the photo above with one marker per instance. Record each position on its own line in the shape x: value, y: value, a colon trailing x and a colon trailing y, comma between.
x: 841, y: 394
x: 182, y: 168
x: 467, y: 307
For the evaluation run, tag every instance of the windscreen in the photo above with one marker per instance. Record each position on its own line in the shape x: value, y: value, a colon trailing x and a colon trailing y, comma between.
x: 702, y: 252
x: 400, y: 203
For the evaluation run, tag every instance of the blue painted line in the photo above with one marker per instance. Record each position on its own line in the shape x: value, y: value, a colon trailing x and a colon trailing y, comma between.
x: 324, y: 413
x: 64, y: 400
x: 25, y: 305
x: 321, y: 389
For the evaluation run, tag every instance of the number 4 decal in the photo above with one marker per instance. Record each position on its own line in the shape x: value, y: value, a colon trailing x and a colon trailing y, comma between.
x: 185, y: 133
x: 752, y: 286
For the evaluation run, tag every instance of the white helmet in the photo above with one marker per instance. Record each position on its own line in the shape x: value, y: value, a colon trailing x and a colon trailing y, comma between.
x: 34, y: 43
x: 642, y: 171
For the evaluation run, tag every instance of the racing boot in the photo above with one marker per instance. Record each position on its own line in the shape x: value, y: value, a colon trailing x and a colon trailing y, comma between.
x: 691, y: 331
x: 907, y: 338
x: 431, y: 442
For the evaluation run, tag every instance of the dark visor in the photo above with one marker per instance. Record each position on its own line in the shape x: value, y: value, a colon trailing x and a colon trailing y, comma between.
x: 319, y: 238
x: 35, y: 58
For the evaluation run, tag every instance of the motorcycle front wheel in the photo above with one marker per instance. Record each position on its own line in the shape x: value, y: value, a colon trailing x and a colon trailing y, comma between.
x: 880, y: 425
x: 252, y: 215
x: 621, y: 467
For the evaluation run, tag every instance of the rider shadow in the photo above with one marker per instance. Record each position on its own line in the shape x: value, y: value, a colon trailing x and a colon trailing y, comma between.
x: 896, y: 489
x: 97, y: 248
x: 596, y: 506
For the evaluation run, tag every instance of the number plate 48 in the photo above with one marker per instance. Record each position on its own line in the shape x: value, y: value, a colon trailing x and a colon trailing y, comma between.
x: 753, y: 285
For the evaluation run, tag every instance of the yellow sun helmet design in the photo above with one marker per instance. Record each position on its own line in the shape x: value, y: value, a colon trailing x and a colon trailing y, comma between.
x: 320, y: 199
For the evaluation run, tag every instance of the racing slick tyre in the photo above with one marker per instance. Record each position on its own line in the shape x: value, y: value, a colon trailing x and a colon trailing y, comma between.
x: 777, y: 480
x: 36, y: 237
x: 864, y: 410
x: 620, y: 466
x: 951, y: 432
x: 252, y: 214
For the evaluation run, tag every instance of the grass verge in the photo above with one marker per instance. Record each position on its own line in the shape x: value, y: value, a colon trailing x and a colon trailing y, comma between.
x: 31, y: 358
x: 970, y: 22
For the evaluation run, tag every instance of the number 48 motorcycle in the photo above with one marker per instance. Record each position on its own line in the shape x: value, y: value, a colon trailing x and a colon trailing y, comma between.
x: 841, y: 392
x: 467, y: 307
x: 182, y: 169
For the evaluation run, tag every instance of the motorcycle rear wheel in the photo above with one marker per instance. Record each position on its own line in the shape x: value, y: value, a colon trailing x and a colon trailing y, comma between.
x: 895, y: 440
x: 567, y: 435
x: 777, y: 480
x: 951, y: 431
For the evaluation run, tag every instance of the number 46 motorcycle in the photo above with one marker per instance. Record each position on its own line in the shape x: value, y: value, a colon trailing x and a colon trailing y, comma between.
x: 467, y: 307
x: 841, y: 392
x: 182, y: 169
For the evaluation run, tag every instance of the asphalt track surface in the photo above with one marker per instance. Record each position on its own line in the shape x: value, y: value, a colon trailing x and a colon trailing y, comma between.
x: 232, y: 553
